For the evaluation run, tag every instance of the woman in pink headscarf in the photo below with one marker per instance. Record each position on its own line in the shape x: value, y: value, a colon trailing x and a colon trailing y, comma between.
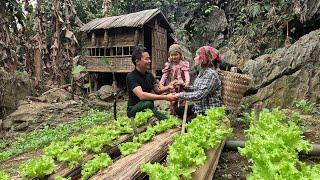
x: 177, y: 69
x: 206, y: 90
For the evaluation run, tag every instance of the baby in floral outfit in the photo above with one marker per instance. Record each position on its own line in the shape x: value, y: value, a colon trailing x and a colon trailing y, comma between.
x: 177, y: 69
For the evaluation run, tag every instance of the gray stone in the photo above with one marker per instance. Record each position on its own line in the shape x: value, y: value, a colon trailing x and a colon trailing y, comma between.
x: 24, y: 113
x: 13, y: 88
x: 56, y: 95
x: 105, y: 92
x: 287, y: 75
x: 229, y: 56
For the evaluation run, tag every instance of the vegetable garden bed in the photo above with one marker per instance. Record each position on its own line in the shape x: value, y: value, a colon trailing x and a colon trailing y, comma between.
x: 128, y: 167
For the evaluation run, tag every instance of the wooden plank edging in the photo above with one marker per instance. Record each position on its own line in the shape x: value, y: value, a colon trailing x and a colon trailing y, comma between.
x: 128, y: 167
x: 207, y: 171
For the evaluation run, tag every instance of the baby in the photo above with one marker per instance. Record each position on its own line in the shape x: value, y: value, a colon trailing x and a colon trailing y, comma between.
x: 177, y: 69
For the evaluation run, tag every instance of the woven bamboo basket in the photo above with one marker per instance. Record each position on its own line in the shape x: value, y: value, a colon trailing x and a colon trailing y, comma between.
x: 234, y: 85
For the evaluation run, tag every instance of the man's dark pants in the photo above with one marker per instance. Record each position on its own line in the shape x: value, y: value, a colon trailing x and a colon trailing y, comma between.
x: 141, y: 106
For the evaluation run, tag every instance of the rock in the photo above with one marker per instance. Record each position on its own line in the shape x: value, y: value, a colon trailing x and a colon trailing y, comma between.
x: 287, y: 75
x: 56, y: 95
x: 24, y: 114
x: 312, y: 8
x: 217, y: 23
x: 217, y: 20
x: 105, y: 93
x: 13, y: 88
x: 100, y: 104
x: 21, y: 127
x: 229, y: 56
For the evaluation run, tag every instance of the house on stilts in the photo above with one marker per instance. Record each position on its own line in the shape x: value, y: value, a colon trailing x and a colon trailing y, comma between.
x: 111, y: 40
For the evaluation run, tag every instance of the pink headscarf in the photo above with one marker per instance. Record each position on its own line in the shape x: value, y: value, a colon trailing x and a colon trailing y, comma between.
x: 208, y: 53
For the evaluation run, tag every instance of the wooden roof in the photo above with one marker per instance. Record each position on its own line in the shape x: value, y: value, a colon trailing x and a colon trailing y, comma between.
x: 137, y: 19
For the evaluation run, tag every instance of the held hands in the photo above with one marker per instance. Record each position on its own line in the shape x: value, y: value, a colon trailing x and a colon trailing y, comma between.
x: 172, y: 85
x: 178, y: 95
x: 173, y: 96
x: 175, y: 83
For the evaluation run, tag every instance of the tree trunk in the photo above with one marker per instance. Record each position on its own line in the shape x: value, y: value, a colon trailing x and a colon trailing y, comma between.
x: 58, y: 76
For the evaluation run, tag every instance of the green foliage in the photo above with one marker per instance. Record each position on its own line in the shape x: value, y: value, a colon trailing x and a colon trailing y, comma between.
x: 166, y: 124
x: 95, y: 143
x: 61, y: 178
x: 254, y: 10
x: 123, y: 123
x: 274, y: 153
x: 88, y: 10
x: 162, y: 126
x: 96, y: 137
x: 97, y: 163
x: 78, y: 69
x: 146, y: 136
x: 105, y: 61
x: 87, y: 86
x: 257, y: 27
x: 2, y: 143
x: 247, y: 118
x: 193, y: 14
x: 37, y: 168
x: 157, y: 171
x: 187, y: 153
x: 4, y: 176
x: 42, y: 137
x: 129, y: 147
x: 142, y: 118
x: 54, y: 149
x: 305, y: 106
x: 72, y: 156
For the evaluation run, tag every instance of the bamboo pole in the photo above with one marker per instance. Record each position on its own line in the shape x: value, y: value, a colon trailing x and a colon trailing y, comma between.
x: 184, y: 119
x: 234, y: 145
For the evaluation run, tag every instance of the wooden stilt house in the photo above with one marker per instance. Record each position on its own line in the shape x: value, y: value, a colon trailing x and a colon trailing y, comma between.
x: 111, y: 40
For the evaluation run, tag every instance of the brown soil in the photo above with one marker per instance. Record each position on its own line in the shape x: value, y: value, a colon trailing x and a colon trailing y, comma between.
x: 231, y: 164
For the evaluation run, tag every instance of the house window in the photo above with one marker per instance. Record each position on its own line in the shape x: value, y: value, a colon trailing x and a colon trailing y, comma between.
x: 93, y: 52
x: 112, y: 51
x: 131, y: 49
x: 119, y: 51
x: 108, y: 52
x: 126, y: 50
x: 97, y: 51
x: 102, y: 51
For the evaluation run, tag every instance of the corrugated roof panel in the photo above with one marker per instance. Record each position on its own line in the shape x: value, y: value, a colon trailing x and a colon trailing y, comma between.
x: 128, y: 20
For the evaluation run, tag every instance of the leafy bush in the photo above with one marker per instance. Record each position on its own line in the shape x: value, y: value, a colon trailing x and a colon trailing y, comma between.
x: 305, y: 106
x: 72, y: 156
x: 61, y: 178
x: 187, y: 153
x: 142, y: 118
x: 4, y: 176
x: 43, y: 137
x: 274, y: 153
x: 146, y: 136
x: 54, y: 149
x: 129, y: 147
x: 98, y: 162
x: 37, y: 168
